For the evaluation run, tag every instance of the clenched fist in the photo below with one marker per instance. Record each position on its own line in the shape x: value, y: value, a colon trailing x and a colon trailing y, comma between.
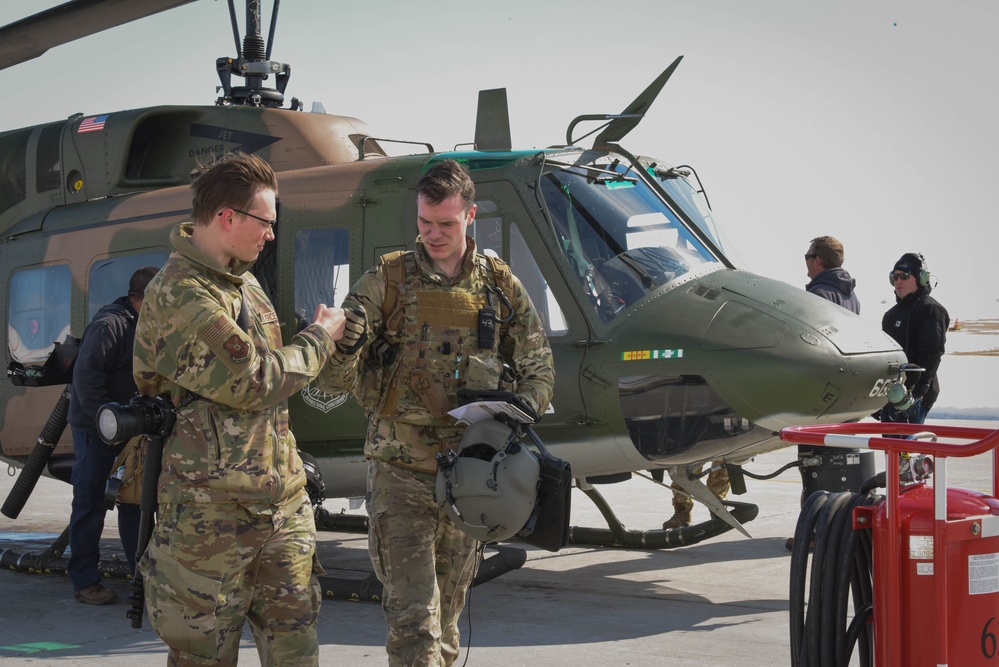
x: 355, y: 331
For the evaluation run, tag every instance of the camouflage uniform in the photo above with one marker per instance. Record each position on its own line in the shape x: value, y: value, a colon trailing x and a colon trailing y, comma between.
x: 235, y: 538
x: 424, y: 561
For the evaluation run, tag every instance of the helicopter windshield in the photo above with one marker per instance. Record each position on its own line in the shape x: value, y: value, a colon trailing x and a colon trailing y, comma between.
x: 676, y: 182
x: 619, y: 237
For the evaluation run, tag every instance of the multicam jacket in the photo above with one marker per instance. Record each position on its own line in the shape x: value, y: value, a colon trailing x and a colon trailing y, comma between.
x: 432, y: 336
x: 232, y: 442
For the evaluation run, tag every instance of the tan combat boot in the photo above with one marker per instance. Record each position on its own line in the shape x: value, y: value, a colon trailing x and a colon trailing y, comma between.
x: 681, y: 513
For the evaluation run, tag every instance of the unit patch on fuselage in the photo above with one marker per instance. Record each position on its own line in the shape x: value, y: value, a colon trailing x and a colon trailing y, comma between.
x: 320, y: 400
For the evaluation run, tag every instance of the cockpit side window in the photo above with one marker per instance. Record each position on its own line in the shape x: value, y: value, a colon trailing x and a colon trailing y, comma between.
x: 38, y: 311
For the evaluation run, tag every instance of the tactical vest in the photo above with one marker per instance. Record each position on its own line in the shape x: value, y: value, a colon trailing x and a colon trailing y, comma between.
x: 432, y: 333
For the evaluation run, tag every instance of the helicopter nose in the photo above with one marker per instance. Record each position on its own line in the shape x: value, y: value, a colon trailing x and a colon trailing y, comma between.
x: 743, y: 363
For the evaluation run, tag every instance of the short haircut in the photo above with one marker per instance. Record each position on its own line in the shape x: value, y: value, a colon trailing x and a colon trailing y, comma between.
x: 829, y: 250
x: 139, y: 280
x: 232, y: 181
x: 446, y: 179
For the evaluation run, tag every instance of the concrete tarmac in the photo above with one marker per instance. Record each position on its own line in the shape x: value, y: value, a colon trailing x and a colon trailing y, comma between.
x: 719, y: 603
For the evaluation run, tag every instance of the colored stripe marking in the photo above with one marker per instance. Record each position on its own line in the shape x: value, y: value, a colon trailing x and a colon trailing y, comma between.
x: 37, y: 647
x: 641, y: 355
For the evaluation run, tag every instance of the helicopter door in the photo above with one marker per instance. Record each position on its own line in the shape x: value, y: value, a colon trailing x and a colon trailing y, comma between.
x: 504, y: 228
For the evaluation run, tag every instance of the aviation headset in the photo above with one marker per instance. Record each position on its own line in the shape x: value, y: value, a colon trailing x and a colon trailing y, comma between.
x: 922, y: 276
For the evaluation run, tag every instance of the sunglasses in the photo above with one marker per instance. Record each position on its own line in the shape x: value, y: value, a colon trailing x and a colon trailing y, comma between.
x: 901, y: 275
x: 808, y: 257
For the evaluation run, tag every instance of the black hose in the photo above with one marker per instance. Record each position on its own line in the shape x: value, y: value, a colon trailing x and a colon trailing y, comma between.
x: 32, y: 470
x: 839, y: 568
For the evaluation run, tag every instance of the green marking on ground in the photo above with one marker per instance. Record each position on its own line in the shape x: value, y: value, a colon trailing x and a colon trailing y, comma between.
x: 37, y: 647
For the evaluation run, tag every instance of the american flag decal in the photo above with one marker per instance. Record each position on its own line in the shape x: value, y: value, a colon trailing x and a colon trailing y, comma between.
x: 92, y: 124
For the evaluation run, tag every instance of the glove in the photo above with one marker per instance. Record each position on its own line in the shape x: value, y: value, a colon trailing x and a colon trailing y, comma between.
x: 355, y: 331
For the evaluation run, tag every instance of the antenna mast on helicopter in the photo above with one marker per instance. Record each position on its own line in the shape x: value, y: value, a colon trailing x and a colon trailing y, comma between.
x: 253, y: 63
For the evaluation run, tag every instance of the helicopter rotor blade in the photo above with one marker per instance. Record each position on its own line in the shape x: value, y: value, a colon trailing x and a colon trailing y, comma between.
x: 632, y: 116
x: 32, y: 36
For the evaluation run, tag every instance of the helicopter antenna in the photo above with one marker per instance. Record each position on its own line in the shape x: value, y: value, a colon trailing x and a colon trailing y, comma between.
x: 253, y: 63
x: 628, y: 119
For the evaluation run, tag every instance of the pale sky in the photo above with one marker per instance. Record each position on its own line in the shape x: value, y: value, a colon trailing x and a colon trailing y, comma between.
x: 875, y: 122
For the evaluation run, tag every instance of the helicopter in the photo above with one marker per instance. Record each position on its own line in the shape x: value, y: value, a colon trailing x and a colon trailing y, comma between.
x: 668, y: 356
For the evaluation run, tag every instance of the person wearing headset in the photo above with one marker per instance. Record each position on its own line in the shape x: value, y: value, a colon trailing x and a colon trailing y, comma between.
x: 919, y: 324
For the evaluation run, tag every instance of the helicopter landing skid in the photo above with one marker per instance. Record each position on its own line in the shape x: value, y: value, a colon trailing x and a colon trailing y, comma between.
x: 616, y: 535
x: 369, y: 589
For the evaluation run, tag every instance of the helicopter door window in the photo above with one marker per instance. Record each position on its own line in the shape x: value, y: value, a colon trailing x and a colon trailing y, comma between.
x: 488, y: 234
x: 109, y: 277
x: 526, y: 268
x: 488, y: 228
x: 322, y: 270
x: 38, y: 312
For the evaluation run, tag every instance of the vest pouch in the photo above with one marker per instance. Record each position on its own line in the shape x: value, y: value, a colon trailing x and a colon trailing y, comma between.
x: 371, y: 386
x: 483, y: 372
x: 432, y: 393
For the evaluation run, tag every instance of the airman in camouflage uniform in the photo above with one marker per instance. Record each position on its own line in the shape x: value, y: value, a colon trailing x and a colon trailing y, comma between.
x: 407, y: 378
x: 235, y: 538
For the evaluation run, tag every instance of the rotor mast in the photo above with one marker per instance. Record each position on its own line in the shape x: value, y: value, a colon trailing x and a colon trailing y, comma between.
x: 253, y: 63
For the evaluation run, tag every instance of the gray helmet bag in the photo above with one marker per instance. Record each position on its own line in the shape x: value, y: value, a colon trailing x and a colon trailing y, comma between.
x: 489, y: 487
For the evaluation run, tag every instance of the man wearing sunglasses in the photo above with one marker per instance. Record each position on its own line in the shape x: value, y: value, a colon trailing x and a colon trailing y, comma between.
x: 919, y: 324
x: 828, y: 278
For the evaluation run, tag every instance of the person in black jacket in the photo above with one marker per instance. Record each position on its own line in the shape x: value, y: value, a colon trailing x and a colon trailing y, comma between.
x: 829, y: 280
x: 824, y: 263
x: 102, y: 373
x: 919, y: 324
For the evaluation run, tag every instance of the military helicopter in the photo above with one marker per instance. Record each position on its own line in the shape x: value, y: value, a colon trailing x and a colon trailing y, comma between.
x: 667, y: 355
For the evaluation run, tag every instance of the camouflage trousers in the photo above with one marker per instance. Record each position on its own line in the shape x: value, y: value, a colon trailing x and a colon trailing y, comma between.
x: 717, y: 484
x: 425, y: 563
x: 210, y: 567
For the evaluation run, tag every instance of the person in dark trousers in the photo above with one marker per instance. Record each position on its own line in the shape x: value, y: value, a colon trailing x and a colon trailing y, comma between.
x: 919, y: 324
x: 829, y: 280
x: 102, y: 373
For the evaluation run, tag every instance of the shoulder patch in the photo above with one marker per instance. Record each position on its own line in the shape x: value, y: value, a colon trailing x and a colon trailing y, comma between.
x: 222, y: 335
x: 237, y: 348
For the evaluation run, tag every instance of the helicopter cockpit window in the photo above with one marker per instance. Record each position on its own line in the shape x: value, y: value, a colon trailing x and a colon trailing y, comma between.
x: 322, y: 270
x: 678, y: 186
x: 109, y: 277
x: 622, y: 242
x: 38, y: 312
x: 13, y: 185
x: 488, y: 234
